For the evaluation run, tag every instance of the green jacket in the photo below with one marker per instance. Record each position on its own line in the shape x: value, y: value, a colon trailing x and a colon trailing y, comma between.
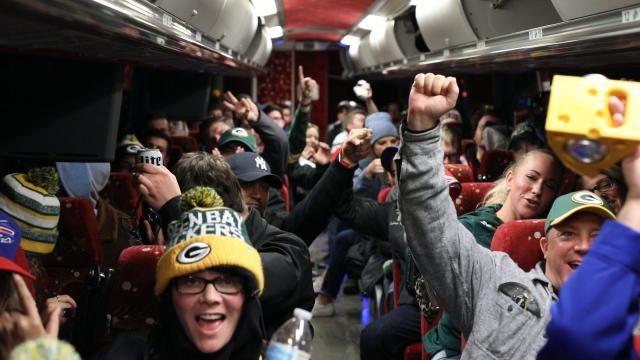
x: 298, y: 134
x: 482, y: 223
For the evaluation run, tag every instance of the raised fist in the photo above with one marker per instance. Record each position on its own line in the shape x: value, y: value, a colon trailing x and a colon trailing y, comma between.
x: 431, y: 96
x: 358, y: 145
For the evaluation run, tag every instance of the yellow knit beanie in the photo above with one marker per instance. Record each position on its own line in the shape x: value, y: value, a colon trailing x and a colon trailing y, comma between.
x: 206, y: 236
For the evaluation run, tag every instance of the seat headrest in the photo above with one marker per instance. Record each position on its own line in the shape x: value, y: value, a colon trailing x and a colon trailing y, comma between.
x: 520, y: 239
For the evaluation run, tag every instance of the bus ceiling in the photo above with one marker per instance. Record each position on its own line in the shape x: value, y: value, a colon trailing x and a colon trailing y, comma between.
x: 390, y: 38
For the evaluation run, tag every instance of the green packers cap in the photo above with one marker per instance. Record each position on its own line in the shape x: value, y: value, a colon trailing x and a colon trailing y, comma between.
x: 572, y: 203
x: 239, y: 135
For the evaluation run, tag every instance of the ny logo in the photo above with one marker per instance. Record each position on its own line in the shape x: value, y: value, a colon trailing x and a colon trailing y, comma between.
x: 261, y: 164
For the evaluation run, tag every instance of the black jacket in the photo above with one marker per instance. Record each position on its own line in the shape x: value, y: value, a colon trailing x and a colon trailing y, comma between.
x: 333, y: 130
x: 311, y: 216
x: 276, y: 208
x: 276, y: 144
x: 302, y: 178
x: 285, y: 261
x: 381, y: 221
x: 168, y: 341
x: 287, y: 271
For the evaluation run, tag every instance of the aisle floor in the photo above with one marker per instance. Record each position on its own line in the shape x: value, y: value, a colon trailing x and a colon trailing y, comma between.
x: 338, y: 337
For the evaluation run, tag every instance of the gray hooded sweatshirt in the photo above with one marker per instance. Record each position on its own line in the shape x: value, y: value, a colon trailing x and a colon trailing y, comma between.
x: 501, y: 310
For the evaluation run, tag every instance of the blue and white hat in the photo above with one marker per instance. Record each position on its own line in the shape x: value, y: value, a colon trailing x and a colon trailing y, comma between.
x: 9, y: 246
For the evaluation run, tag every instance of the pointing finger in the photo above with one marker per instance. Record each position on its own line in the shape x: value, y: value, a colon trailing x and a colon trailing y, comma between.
x: 300, y: 75
x: 26, y: 300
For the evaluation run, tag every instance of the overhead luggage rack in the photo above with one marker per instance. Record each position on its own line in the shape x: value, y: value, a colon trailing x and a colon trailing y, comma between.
x: 133, y: 31
x: 589, y: 41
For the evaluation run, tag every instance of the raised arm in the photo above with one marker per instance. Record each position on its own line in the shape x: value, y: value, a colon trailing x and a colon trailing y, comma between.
x: 363, y: 214
x: 275, y: 141
x: 311, y: 216
x: 445, y: 251
x: 371, y: 105
x: 298, y: 130
x: 276, y: 144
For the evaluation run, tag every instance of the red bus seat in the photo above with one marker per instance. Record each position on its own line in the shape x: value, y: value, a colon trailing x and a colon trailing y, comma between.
x: 493, y: 164
x: 78, y: 251
x: 121, y: 193
x: 462, y: 172
x: 520, y: 239
x: 471, y: 196
x: 133, y: 304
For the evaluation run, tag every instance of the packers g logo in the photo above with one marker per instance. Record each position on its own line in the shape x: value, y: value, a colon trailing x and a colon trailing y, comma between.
x: 193, y: 253
x: 133, y: 149
x: 587, y: 197
x: 240, y: 132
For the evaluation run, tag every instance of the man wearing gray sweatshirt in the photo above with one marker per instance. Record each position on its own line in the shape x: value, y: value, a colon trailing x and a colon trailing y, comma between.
x: 501, y: 310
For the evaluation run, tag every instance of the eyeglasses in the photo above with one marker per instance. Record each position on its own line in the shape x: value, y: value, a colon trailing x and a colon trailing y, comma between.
x: 191, y: 285
x: 604, y: 186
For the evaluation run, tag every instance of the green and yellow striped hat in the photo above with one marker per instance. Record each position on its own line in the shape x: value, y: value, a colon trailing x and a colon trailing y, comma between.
x: 34, y: 209
x: 207, y: 235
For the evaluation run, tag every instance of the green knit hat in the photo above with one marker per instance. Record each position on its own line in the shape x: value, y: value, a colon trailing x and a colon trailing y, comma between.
x: 207, y: 235
x: 572, y: 203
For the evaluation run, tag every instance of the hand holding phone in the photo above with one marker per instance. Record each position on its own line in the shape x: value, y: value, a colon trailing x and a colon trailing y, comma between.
x: 362, y: 90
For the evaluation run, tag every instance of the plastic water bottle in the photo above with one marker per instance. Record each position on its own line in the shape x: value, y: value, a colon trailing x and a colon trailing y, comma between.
x: 292, y: 341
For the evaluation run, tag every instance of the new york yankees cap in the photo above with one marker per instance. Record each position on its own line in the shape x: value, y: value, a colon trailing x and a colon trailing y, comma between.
x: 250, y: 167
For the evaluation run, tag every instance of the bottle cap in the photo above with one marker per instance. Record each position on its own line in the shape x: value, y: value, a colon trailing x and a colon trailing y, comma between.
x: 302, y: 314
